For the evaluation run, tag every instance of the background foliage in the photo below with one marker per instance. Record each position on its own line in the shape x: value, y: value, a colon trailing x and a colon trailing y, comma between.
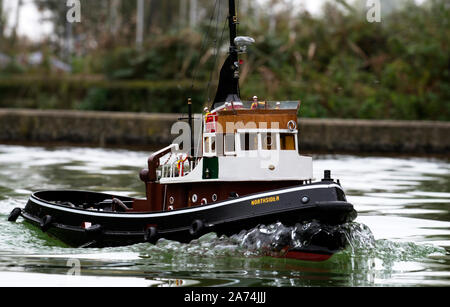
x: 338, y: 64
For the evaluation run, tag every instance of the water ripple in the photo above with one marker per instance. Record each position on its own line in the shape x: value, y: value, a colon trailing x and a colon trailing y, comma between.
x: 399, y: 237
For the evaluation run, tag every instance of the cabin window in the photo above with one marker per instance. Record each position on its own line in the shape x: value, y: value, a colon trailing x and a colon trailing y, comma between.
x: 229, y: 147
x: 213, y: 144
x: 210, y: 145
x: 269, y: 141
x: 287, y: 141
x: 249, y: 141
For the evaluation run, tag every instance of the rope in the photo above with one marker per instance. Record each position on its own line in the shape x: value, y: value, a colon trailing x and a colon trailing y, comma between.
x: 216, y: 56
x: 167, y: 161
x: 204, y: 43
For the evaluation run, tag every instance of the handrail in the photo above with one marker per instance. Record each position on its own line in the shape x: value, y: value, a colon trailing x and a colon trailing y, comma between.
x: 267, y: 105
x: 150, y: 175
x: 171, y: 170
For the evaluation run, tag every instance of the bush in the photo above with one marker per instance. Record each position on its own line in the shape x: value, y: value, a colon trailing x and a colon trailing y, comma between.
x: 339, y: 65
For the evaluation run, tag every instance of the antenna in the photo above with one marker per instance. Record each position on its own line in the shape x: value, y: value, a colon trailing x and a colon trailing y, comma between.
x: 191, y: 126
x: 190, y: 119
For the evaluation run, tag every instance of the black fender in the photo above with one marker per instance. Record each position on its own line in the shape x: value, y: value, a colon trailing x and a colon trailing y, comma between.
x: 46, y: 222
x: 151, y: 235
x: 197, y: 227
x: 14, y: 215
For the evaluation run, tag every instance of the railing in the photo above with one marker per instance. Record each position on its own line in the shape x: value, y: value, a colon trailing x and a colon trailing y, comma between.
x: 268, y: 105
x: 177, y: 169
x: 151, y: 175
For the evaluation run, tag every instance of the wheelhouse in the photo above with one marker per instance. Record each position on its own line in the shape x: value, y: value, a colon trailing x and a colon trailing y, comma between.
x: 237, y: 129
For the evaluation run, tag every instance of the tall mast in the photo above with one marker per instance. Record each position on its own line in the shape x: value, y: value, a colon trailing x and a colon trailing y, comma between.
x: 191, y: 126
x: 232, y: 23
x: 228, y: 88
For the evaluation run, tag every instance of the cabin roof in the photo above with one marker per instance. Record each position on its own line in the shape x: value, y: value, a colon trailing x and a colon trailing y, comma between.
x: 261, y: 105
x: 258, y: 112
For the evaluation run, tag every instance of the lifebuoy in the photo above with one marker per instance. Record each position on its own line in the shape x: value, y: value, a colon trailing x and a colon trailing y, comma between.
x: 180, y: 165
x: 204, y: 201
x: 46, y: 223
x: 292, y: 125
x: 196, y: 228
x: 15, y: 213
x: 151, y: 235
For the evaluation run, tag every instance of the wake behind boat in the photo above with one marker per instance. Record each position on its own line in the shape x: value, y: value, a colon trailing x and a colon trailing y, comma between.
x: 245, y: 171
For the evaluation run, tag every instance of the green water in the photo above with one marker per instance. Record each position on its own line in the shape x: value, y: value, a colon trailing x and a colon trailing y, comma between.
x: 401, y: 237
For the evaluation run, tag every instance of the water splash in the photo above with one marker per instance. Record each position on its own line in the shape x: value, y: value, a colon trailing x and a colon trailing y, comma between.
x: 359, y: 236
x: 271, y: 240
x: 276, y: 239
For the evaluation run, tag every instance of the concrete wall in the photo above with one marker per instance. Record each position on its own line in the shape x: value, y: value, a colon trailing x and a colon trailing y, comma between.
x: 153, y: 130
x: 85, y: 128
x: 383, y: 136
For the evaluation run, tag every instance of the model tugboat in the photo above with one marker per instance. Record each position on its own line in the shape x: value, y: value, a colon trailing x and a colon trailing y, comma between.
x: 247, y: 172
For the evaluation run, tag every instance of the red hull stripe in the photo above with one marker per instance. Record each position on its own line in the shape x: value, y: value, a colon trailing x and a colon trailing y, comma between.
x: 307, y: 256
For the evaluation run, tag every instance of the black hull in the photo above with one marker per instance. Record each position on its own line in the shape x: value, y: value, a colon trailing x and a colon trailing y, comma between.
x: 324, y: 202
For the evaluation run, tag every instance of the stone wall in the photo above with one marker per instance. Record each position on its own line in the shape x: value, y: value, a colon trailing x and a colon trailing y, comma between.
x: 153, y: 130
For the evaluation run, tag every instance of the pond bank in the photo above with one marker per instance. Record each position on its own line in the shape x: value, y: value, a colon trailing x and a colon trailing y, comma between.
x: 149, y: 130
